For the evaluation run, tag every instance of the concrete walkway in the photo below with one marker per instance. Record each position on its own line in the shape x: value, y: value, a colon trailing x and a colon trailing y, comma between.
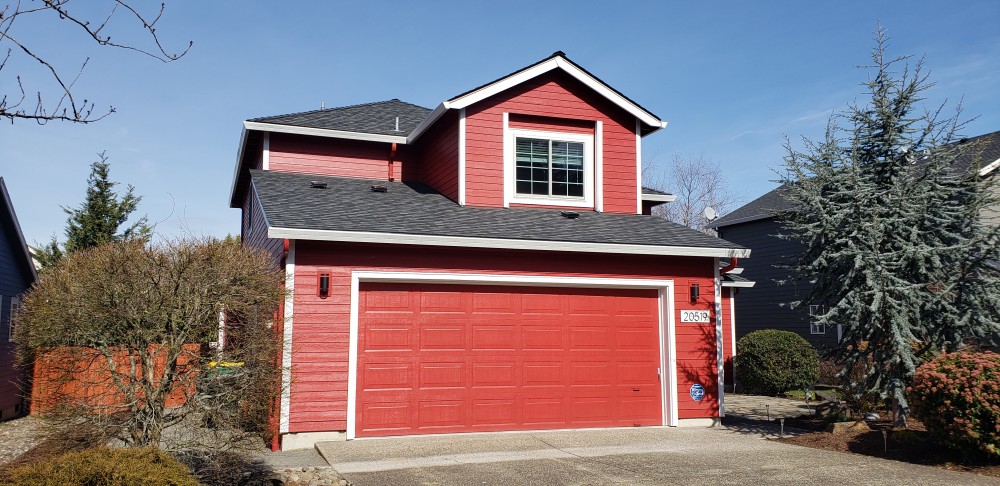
x: 756, y: 407
x: 648, y: 455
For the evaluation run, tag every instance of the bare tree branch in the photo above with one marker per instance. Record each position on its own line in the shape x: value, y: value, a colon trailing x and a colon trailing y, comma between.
x: 698, y: 184
x: 68, y: 105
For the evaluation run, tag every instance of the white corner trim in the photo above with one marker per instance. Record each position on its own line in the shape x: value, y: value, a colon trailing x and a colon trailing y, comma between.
x: 638, y: 167
x: 990, y: 167
x: 461, y: 157
x: 557, y: 62
x: 508, y: 161
x: 266, y: 157
x: 500, y: 243
x: 720, y: 359
x: 286, y: 342
x: 509, y: 170
x: 599, y: 166
x: 670, y: 358
x: 665, y: 296
x: 658, y: 197
x: 323, y: 132
x: 732, y: 324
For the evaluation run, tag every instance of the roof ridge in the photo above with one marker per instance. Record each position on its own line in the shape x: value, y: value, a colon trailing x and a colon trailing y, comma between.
x: 357, y: 105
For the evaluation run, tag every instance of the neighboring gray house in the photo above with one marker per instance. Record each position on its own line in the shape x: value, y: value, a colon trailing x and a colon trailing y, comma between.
x: 767, y: 304
x: 17, y: 273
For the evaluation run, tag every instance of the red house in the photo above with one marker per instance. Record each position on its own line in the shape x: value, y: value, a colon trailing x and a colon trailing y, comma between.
x: 488, y: 265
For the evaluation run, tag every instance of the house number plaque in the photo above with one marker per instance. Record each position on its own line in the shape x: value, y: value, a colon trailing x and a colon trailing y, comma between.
x: 695, y: 316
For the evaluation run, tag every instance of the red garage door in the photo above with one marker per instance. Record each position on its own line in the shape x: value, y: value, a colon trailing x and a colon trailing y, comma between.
x: 449, y: 358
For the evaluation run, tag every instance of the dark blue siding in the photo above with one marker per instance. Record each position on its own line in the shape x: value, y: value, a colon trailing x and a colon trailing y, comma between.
x: 15, y: 278
x: 767, y: 305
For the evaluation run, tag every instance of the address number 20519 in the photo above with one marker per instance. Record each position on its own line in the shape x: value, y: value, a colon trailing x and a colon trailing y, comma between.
x: 694, y: 316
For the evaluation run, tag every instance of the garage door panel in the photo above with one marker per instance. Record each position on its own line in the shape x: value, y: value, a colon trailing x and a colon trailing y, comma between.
x: 506, y: 358
x: 492, y: 337
x: 442, y: 375
x: 388, y: 375
x: 543, y: 373
x: 493, y: 374
x: 442, y: 337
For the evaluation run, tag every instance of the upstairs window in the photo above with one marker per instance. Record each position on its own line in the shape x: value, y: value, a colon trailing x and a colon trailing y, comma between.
x: 549, y: 168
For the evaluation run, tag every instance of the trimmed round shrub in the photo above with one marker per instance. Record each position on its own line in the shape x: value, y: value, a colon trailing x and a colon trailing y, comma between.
x: 957, y: 397
x: 771, y: 362
x: 112, y: 467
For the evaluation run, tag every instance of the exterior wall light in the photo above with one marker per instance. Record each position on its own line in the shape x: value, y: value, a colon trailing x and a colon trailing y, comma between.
x: 324, y: 285
x: 695, y: 292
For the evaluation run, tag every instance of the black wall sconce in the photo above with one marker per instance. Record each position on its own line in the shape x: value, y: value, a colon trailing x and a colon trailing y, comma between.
x: 695, y: 292
x: 324, y: 285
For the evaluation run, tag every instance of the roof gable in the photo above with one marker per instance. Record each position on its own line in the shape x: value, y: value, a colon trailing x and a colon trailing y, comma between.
x: 21, y: 246
x: 557, y: 60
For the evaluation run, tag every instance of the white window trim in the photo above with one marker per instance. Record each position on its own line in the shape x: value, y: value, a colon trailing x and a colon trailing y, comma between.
x: 665, y: 288
x: 509, y: 170
x: 813, y: 326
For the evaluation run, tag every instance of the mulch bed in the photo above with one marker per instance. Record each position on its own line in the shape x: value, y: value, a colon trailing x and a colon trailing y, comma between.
x: 912, y: 445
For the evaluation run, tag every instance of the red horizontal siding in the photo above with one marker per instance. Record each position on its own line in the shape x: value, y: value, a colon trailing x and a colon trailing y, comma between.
x: 339, y: 157
x: 534, y: 104
x: 438, y: 149
x: 321, y: 326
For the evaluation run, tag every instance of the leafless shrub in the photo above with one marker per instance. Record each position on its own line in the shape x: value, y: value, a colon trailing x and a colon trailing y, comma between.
x: 119, y: 337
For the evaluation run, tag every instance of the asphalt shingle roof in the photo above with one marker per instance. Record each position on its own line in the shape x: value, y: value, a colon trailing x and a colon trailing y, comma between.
x: 760, y: 208
x: 378, y: 118
x: 649, y: 190
x: 348, y: 204
x: 985, y: 150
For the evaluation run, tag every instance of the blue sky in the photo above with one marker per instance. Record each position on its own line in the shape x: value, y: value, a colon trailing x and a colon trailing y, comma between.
x: 731, y: 78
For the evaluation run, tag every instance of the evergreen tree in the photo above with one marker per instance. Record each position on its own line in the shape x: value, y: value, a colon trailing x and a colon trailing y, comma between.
x: 895, y: 246
x: 98, y: 219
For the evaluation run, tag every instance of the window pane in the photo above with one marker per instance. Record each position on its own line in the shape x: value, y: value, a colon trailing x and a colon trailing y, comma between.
x: 567, y: 169
x: 531, y: 166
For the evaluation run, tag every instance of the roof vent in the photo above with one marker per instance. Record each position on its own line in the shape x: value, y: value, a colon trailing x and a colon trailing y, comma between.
x: 569, y: 214
x: 378, y: 188
x: 317, y: 184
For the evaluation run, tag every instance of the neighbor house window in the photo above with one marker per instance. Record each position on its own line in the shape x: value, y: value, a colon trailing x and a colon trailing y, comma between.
x: 549, y: 168
x: 15, y: 304
x: 816, y: 327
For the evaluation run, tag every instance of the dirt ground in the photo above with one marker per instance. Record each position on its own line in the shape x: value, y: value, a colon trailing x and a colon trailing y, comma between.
x: 911, y: 444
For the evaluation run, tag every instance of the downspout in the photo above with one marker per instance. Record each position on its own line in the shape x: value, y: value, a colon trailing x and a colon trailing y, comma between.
x: 392, y: 155
x: 279, y: 319
x: 732, y: 264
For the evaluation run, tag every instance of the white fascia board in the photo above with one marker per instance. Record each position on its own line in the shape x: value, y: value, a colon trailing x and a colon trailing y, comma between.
x: 544, y: 67
x: 990, y: 167
x: 323, y: 132
x: 742, y: 285
x: 659, y: 197
x: 500, y: 243
x: 239, y: 162
x: 428, y: 121
x: 735, y: 271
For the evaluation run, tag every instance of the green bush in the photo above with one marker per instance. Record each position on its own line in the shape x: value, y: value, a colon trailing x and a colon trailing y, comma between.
x: 771, y: 362
x: 957, y: 397
x: 103, y: 466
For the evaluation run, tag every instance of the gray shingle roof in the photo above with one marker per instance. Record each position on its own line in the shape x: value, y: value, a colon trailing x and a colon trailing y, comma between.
x: 349, y: 204
x: 985, y: 150
x: 649, y: 190
x: 378, y: 117
x: 760, y: 208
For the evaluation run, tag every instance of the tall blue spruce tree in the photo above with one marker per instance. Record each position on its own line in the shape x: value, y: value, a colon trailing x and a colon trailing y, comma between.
x: 895, y: 246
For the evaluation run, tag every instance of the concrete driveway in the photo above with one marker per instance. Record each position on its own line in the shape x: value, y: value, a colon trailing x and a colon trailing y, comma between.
x: 733, y: 455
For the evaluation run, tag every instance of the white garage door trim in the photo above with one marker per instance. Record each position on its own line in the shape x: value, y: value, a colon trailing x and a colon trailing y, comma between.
x: 668, y: 343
